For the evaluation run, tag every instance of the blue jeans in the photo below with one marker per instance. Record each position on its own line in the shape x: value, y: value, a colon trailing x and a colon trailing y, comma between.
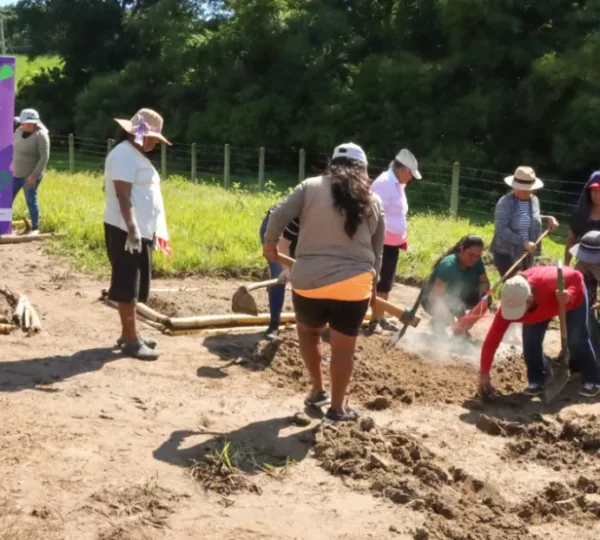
x: 583, y: 358
x: 30, y: 198
x: 277, y: 292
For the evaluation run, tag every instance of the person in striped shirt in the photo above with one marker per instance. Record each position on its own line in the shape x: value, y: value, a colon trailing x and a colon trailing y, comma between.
x: 517, y: 225
x: 286, y: 246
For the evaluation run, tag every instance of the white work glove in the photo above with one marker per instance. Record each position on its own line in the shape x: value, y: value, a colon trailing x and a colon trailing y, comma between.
x: 133, y: 243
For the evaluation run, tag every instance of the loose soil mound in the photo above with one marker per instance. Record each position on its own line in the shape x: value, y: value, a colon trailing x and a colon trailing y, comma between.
x: 557, y: 442
x: 394, y: 465
x: 380, y: 379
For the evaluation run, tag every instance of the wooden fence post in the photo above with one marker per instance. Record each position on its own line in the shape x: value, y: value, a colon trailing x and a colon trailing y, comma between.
x: 193, y: 164
x: 261, y: 169
x: 71, y: 153
x: 163, y: 161
x: 301, y: 165
x: 455, y: 189
x: 109, y: 145
x: 227, y: 168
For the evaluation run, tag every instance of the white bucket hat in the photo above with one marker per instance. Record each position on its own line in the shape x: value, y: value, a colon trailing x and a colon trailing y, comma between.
x: 350, y: 151
x: 407, y: 159
x: 145, y: 123
x: 513, y: 300
x: 524, y: 178
x: 30, y: 116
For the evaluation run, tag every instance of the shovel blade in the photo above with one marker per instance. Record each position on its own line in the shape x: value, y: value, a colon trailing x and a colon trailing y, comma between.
x: 243, y: 302
x: 560, y: 378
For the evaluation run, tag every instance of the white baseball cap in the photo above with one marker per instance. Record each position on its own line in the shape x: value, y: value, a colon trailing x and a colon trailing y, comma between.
x: 514, y: 297
x: 407, y: 159
x: 350, y: 151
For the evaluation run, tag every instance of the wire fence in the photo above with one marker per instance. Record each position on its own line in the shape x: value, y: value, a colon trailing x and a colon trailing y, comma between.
x: 446, y: 187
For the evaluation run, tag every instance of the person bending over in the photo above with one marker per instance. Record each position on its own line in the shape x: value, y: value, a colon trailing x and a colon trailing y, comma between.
x: 532, y: 298
x: 457, y: 284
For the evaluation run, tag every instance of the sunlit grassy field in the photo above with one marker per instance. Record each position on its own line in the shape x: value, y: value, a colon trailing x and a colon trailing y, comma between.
x: 214, y: 231
x: 26, y: 68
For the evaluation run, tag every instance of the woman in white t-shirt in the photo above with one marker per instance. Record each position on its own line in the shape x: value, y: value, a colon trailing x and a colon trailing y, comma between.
x: 134, y: 223
x: 390, y: 186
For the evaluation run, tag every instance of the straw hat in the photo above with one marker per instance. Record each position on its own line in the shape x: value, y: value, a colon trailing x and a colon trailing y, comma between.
x: 145, y: 123
x: 524, y: 178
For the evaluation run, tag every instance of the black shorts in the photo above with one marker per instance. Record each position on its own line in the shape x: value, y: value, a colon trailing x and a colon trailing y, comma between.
x: 130, y: 278
x: 342, y: 316
x: 389, y: 262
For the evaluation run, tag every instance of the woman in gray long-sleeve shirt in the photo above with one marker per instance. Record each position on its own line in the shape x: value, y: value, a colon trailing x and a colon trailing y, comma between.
x: 338, y: 258
x: 31, y: 155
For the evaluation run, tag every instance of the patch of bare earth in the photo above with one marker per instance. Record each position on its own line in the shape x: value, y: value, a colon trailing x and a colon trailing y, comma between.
x: 83, y: 429
x: 457, y: 506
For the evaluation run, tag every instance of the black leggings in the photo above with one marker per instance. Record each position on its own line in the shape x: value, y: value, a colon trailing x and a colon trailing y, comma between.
x: 389, y: 262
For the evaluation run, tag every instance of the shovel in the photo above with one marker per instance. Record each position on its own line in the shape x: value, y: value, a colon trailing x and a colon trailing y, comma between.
x: 560, y: 374
x: 243, y: 302
x: 406, y: 317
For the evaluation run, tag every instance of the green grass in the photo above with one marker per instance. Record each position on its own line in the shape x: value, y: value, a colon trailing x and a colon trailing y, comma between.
x: 215, y: 232
x: 26, y: 68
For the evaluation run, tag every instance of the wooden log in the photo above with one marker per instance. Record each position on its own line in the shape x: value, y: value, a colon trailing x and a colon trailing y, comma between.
x: 23, y: 238
x: 6, y: 329
x: 234, y: 330
x: 142, y: 309
x: 140, y: 317
x: 151, y: 314
x: 232, y: 320
x: 214, y: 321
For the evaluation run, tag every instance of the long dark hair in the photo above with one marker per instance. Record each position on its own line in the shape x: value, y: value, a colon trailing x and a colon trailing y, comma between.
x: 585, y: 204
x: 466, y: 242
x: 351, y: 192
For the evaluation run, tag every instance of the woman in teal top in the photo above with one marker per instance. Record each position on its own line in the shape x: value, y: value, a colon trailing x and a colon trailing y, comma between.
x: 457, y: 284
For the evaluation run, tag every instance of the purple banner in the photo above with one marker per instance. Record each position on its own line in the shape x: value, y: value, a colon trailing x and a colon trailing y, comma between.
x: 7, y: 124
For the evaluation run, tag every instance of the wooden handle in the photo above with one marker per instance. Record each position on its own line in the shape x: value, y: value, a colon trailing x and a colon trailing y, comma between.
x: 383, y: 304
x: 517, y: 263
x: 397, y: 312
x: 285, y: 260
x: 562, y: 315
x: 261, y: 284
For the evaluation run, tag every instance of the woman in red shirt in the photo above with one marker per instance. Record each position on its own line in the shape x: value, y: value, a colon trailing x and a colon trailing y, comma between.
x: 532, y: 298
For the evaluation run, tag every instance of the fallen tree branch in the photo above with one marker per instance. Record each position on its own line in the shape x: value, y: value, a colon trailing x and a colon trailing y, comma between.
x: 23, y: 238
x: 152, y: 324
x: 142, y: 309
x: 234, y: 319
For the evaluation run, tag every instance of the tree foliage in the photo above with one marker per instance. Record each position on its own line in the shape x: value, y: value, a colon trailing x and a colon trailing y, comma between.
x: 490, y: 82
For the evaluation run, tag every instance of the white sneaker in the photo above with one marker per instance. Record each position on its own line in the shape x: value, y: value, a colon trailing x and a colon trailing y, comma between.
x: 34, y: 232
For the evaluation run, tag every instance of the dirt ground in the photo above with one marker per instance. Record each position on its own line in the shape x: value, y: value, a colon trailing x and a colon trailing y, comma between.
x: 212, y: 440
